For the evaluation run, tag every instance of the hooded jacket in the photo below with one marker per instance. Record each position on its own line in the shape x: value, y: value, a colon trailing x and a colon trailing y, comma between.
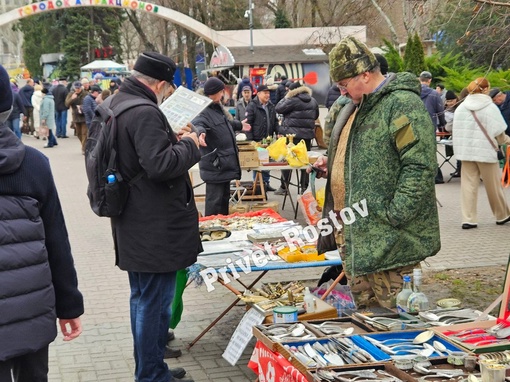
x: 332, y: 96
x: 158, y: 230
x: 220, y: 158
x: 299, y: 112
x: 390, y: 164
x: 38, y: 280
x: 469, y: 142
x: 434, y: 105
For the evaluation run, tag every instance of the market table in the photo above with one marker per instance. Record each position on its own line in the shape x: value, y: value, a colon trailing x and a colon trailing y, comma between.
x: 218, y: 261
x: 288, y: 182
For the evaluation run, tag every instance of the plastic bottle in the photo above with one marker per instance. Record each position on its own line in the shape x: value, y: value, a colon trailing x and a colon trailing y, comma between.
x: 404, y: 294
x: 417, y: 301
x: 111, y: 178
x: 309, y: 300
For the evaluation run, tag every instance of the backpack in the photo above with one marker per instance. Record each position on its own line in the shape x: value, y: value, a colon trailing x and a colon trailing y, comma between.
x: 107, y: 190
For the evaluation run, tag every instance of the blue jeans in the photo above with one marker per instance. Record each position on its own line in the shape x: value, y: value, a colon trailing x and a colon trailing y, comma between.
x: 61, y: 121
x: 150, y: 305
x: 14, y: 126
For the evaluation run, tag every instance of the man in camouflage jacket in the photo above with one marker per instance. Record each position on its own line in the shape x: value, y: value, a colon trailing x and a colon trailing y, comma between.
x: 380, y: 168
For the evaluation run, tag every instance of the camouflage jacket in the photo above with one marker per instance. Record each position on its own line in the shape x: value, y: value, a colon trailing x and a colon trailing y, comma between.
x: 389, y: 174
x: 330, y: 120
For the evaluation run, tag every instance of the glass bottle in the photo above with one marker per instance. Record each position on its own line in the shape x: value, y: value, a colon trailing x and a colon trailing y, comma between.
x: 404, y: 294
x: 417, y: 301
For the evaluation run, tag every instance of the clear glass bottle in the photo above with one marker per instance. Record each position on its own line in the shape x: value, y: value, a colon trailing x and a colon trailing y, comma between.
x: 417, y: 301
x: 404, y: 294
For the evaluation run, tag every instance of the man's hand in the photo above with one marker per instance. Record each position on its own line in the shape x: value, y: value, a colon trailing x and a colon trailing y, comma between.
x: 320, y: 167
x: 201, y: 140
x: 185, y: 129
x: 73, y: 324
x: 192, y: 136
x: 246, y: 125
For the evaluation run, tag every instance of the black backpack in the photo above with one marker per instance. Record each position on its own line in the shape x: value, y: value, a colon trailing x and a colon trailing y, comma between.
x: 107, y: 190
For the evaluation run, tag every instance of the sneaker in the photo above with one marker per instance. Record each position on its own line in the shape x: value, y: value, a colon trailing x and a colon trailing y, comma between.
x: 172, y: 353
x: 177, y: 372
x: 64, y: 136
x: 268, y: 187
x: 280, y: 191
x: 469, y: 226
x: 47, y: 147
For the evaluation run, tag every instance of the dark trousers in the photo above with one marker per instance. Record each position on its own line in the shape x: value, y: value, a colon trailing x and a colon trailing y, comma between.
x: 31, y: 367
x: 286, y: 174
x: 150, y: 310
x: 216, y: 198
x: 30, y: 118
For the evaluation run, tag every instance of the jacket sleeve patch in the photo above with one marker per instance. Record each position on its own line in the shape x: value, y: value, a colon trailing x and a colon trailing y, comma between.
x: 404, y: 132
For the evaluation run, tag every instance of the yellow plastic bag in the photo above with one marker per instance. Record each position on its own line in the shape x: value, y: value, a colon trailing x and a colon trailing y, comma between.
x: 297, y: 155
x: 278, y: 150
x: 320, y: 196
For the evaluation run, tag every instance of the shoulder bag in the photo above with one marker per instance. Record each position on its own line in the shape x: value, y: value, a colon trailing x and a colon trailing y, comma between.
x: 501, y: 156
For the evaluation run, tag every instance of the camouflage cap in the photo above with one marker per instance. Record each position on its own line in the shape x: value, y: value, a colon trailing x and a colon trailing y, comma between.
x: 349, y: 58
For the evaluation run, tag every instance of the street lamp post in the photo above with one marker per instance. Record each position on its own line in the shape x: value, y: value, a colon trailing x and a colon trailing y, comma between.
x: 250, y: 5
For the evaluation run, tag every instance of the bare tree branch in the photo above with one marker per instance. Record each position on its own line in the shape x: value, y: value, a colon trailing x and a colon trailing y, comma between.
x: 493, y: 3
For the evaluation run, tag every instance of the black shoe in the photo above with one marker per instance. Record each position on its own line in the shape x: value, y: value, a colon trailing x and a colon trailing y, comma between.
x: 59, y: 136
x: 455, y: 174
x: 64, y: 136
x: 268, y: 187
x: 439, y: 181
x: 503, y: 221
x: 469, y: 226
x: 170, y: 335
x: 177, y: 372
x: 172, y: 352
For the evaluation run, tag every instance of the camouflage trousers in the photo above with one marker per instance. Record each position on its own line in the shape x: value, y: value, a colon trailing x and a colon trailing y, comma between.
x: 379, y: 288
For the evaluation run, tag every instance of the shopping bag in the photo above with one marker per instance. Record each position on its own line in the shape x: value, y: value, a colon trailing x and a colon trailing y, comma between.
x: 297, y: 156
x: 177, y: 303
x: 44, y: 131
x: 278, y: 149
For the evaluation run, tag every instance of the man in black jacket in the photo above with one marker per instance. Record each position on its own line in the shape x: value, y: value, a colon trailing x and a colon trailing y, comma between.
x: 59, y: 94
x: 157, y: 233
x: 38, y: 280
x: 25, y: 94
x: 261, y: 116
x: 220, y: 160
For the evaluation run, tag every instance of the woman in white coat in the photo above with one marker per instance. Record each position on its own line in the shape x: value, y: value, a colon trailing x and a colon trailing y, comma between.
x: 478, y: 156
x: 36, y: 103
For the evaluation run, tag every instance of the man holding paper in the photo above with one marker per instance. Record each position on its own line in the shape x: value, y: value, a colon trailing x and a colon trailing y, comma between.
x: 220, y: 159
x: 157, y: 233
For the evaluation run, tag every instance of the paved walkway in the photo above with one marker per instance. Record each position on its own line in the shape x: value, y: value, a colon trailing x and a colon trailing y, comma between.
x: 103, y: 352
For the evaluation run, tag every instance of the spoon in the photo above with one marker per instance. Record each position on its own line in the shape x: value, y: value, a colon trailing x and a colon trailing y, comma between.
x: 439, y: 346
x: 298, y: 331
x: 434, y: 350
x: 423, y: 337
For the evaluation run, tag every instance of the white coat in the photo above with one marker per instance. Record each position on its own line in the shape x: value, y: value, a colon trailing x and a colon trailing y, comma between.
x: 469, y: 142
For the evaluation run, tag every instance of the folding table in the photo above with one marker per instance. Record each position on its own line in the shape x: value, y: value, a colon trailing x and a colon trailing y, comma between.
x: 218, y: 261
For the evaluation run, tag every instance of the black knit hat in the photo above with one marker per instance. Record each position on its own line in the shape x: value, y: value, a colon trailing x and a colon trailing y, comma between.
x: 294, y: 85
x: 5, y: 91
x: 450, y: 95
x: 157, y: 66
x: 213, y: 85
x: 383, y: 63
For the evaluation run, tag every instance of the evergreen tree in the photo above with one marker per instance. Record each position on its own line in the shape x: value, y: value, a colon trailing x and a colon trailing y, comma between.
x: 281, y: 20
x: 420, y: 55
x: 74, y: 32
x: 395, y: 63
x: 408, y: 54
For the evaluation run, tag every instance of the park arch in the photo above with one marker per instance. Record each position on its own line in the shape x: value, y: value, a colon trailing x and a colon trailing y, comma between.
x: 202, y: 30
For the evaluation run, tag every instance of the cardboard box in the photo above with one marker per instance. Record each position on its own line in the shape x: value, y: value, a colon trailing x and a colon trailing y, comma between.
x: 249, y: 159
x: 262, y: 206
x: 239, y: 208
x: 379, y: 356
x: 503, y: 317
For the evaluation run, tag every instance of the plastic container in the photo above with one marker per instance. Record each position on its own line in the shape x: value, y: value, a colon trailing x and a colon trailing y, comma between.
x: 285, y: 314
x: 263, y: 155
x: 309, y: 301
